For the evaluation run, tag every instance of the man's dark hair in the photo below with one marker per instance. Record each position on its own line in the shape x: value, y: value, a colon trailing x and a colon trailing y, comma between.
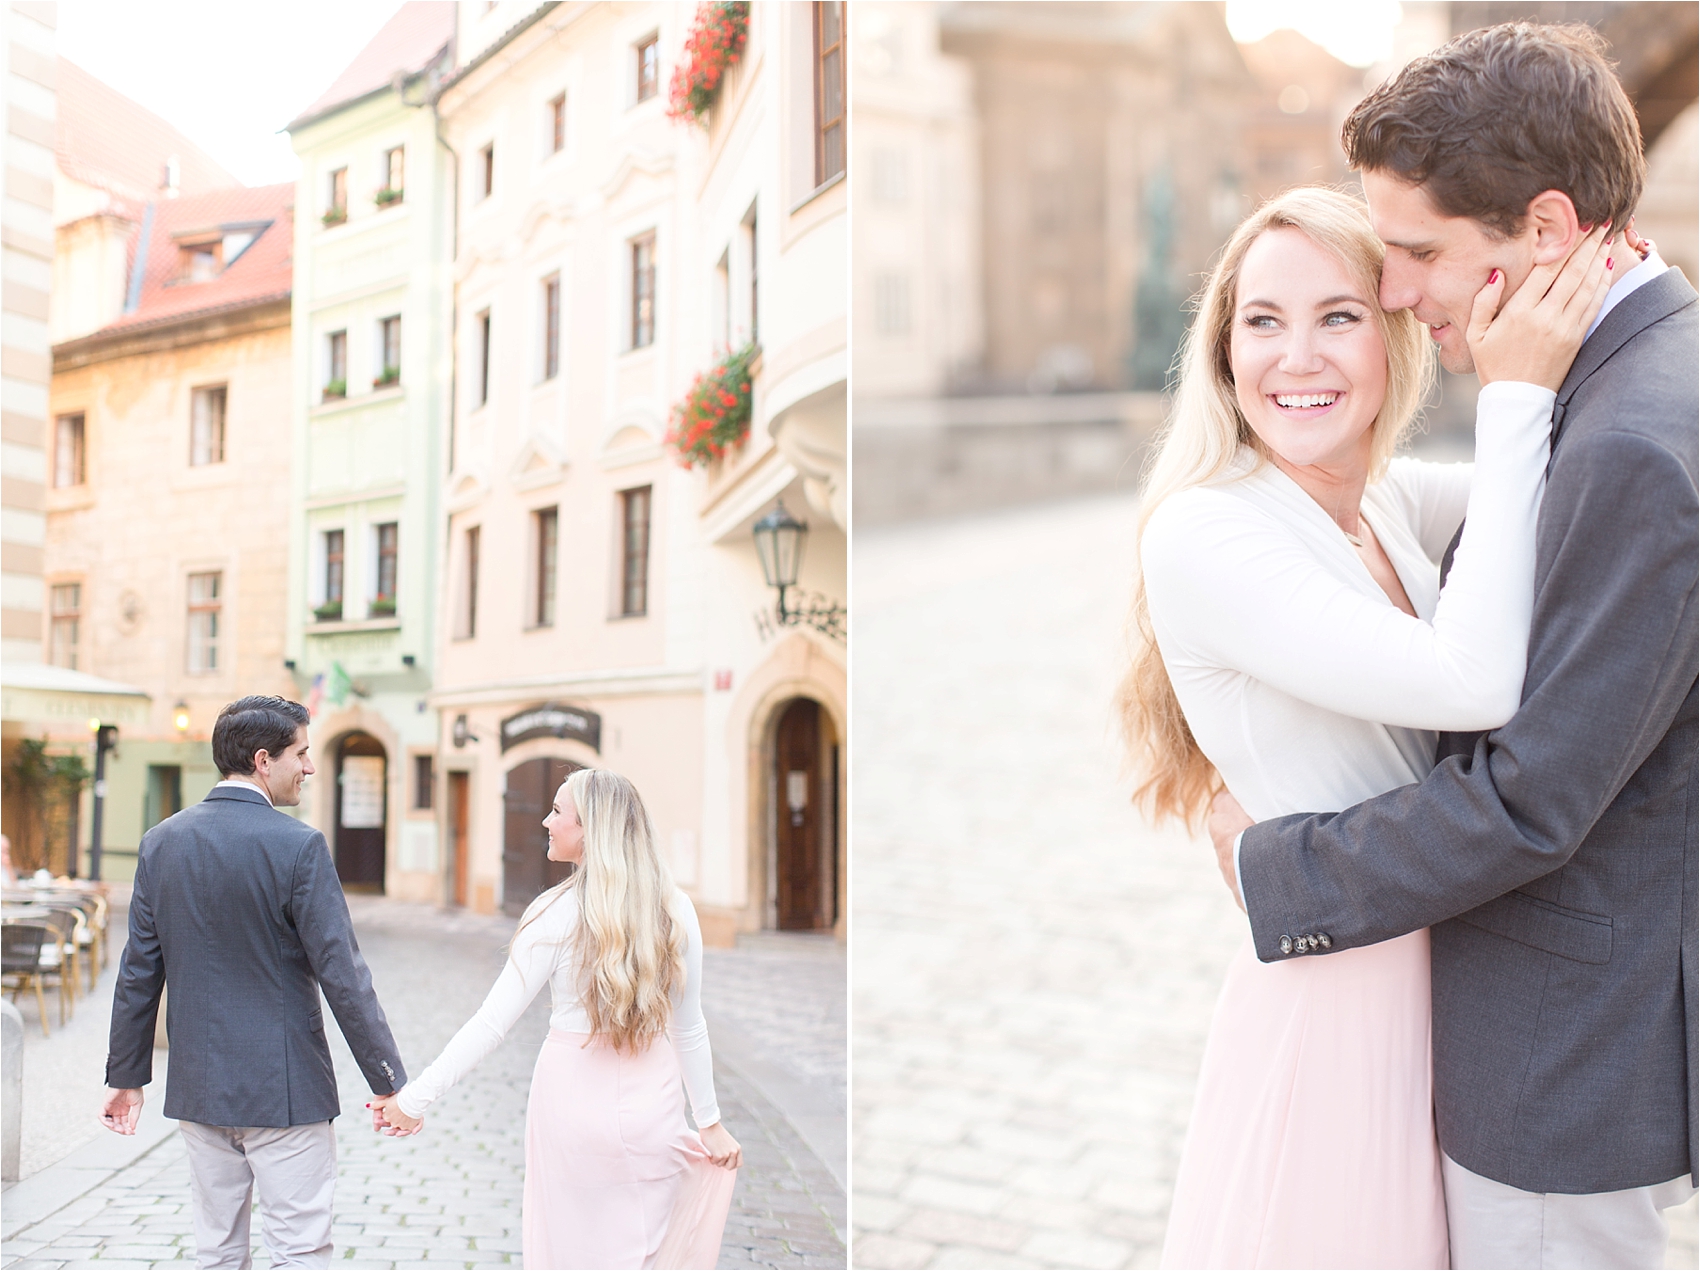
x: 1494, y: 117
x: 254, y: 723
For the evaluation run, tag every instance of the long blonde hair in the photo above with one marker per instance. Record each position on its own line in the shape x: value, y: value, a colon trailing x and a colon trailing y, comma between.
x: 630, y: 948
x: 1203, y: 437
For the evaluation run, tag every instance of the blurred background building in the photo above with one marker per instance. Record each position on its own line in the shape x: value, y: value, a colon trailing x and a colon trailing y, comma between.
x: 1046, y: 185
x: 398, y: 440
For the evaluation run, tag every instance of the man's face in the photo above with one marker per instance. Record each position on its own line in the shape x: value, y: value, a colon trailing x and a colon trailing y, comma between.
x: 1436, y: 263
x: 283, y: 774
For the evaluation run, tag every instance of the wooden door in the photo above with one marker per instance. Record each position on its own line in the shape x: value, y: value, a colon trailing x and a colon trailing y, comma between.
x: 804, y: 882
x: 526, y: 867
x: 460, y: 793
x: 362, y: 812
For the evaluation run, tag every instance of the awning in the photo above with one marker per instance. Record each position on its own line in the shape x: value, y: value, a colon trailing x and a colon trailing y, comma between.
x: 35, y: 693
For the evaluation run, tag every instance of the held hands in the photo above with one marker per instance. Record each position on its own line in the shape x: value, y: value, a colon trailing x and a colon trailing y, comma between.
x: 389, y: 1119
x: 1227, y: 821
x: 723, y: 1149
x: 1533, y: 336
x: 123, y: 1109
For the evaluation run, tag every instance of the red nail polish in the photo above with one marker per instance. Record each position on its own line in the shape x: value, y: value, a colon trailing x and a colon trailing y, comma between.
x: 1608, y: 262
x: 1493, y: 277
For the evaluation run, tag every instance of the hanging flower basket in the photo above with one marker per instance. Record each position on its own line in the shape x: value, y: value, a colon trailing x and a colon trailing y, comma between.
x: 715, y: 414
x: 717, y: 39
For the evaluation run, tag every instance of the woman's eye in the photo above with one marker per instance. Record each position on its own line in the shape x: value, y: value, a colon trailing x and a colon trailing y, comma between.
x: 1342, y: 318
x: 1260, y: 322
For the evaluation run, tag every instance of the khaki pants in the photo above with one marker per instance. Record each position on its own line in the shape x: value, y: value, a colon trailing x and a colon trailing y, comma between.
x: 295, y: 1169
x: 1493, y: 1225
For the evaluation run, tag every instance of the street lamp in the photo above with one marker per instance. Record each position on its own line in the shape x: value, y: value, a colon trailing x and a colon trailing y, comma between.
x: 180, y: 717
x: 779, y: 544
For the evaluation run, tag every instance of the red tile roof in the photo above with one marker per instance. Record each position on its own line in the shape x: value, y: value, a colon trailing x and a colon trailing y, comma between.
x: 408, y: 42
x: 104, y: 139
x: 260, y: 274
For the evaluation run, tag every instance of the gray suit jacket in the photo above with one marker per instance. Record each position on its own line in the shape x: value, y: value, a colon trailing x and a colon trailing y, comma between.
x: 237, y: 906
x: 1555, y: 858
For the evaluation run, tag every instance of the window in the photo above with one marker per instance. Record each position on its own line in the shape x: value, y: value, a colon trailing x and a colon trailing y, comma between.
x: 469, y: 623
x: 198, y: 261
x: 891, y: 304
x: 395, y: 174
x: 551, y: 326
x: 336, y: 377
x: 383, y: 604
x: 548, y: 532
x: 722, y: 301
x: 754, y: 258
x: 204, y: 607
x: 483, y: 357
x: 424, y: 782
x: 206, y: 425
x: 648, y: 67
x: 69, y: 455
x: 634, y: 552
x: 829, y: 90
x: 389, y: 345
x: 487, y: 171
x: 336, y: 205
x: 555, y: 123
x: 164, y: 795
x: 643, y: 292
x: 332, y: 607
x: 67, y: 616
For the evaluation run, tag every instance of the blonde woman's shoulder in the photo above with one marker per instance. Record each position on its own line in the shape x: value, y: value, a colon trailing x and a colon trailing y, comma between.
x: 555, y: 907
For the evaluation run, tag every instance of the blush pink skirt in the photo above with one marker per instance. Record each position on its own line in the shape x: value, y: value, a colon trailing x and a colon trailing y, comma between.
x: 1312, y: 1140
x: 614, y: 1175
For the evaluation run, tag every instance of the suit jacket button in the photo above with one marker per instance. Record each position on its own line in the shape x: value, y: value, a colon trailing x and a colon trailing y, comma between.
x: 1324, y: 941
x: 1286, y: 944
x: 1313, y: 940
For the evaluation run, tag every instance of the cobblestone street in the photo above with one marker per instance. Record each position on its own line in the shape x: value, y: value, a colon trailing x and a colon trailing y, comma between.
x: 450, y: 1197
x: 1034, y: 968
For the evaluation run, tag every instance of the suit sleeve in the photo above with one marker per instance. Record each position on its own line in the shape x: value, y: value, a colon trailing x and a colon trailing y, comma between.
x: 135, y: 997
x: 327, y: 938
x: 1612, y: 659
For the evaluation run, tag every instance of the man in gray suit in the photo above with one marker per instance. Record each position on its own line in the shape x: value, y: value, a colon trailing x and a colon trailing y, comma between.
x: 1554, y: 859
x: 237, y: 906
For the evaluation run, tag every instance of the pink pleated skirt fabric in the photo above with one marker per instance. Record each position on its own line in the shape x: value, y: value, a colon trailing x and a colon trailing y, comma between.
x: 614, y: 1175
x: 1312, y: 1139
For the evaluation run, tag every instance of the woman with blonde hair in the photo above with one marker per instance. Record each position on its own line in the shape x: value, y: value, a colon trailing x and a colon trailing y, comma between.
x: 1294, y: 643
x: 614, y: 1176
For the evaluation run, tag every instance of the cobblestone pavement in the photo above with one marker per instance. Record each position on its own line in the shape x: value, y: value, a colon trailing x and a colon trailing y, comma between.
x: 1033, y: 967
x: 451, y: 1196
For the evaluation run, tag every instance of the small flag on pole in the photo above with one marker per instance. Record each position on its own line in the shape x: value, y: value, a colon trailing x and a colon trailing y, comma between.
x: 337, y: 684
x: 315, y: 696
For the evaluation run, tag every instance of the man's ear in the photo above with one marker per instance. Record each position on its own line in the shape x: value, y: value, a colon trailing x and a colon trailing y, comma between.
x: 262, y: 761
x: 1551, y: 220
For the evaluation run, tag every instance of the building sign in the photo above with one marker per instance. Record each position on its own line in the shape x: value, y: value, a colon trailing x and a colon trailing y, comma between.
x: 553, y: 720
x: 363, y: 792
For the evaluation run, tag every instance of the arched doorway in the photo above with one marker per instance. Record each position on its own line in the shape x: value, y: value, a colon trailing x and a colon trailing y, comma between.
x: 805, y: 803
x: 361, y: 812
x: 526, y: 867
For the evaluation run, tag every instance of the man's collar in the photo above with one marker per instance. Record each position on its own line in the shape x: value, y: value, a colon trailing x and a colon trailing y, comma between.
x: 229, y: 784
x: 1644, y: 273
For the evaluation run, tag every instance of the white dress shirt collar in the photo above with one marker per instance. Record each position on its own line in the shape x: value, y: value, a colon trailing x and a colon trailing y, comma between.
x: 245, y: 785
x: 1640, y: 276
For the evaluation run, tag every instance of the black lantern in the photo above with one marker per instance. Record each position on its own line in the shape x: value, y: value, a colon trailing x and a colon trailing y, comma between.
x: 779, y: 543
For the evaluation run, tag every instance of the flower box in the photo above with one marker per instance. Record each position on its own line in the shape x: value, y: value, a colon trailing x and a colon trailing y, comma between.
x: 383, y: 198
x: 336, y: 389
x: 330, y: 611
x: 714, y: 415
x: 336, y: 216
x: 391, y: 375
x: 718, y: 35
x: 382, y: 607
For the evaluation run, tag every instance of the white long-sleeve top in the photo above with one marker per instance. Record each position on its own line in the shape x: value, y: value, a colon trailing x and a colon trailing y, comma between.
x: 542, y: 953
x: 1301, y: 681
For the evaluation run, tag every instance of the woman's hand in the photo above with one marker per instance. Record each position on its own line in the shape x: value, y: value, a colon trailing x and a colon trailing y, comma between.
x: 723, y: 1149
x: 1534, y: 337
x: 388, y: 1118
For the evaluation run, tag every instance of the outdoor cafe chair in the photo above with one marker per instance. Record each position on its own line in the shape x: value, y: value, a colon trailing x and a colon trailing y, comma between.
x: 20, y: 959
x: 59, y: 956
